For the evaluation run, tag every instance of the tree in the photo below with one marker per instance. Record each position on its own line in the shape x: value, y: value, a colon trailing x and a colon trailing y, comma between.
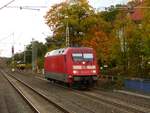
x: 79, y: 21
x: 133, y: 42
x: 145, y: 26
x: 86, y: 27
x: 41, y: 51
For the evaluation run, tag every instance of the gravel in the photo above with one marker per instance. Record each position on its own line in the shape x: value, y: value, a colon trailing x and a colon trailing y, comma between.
x: 70, y: 99
x: 143, y: 102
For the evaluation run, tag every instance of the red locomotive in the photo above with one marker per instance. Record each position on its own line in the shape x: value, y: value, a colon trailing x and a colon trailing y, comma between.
x: 72, y: 65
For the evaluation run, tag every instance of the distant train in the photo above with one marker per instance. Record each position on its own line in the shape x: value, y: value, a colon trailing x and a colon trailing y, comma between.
x: 72, y: 65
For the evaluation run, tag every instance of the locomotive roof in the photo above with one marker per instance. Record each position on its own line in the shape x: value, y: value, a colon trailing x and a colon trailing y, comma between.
x: 64, y: 50
x: 55, y: 52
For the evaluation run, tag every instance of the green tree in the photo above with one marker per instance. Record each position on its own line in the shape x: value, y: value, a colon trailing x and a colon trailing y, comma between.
x: 87, y: 27
x: 145, y: 26
x: 133, y: 42
x: 79, y: 18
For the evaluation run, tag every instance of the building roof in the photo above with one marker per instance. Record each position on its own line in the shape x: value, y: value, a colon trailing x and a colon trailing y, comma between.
x: 137, y: 13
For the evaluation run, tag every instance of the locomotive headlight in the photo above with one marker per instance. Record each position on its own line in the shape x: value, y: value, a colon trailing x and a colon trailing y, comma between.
x: 91, y: 67
x: 77, y: 67
x: 83, y: 62
x: 75, y: 72
x: 70, y: 76
x: 94, y: 71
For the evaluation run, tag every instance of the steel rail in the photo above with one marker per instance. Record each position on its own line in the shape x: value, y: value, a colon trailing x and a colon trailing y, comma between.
x: 115, y: 102
x: 93, y: 98
x: 123, y: 106
x: 42, y: 95
x: 64, y: 88
x: 120, y: 94
x: 20, y: 92
x: 118, y: 103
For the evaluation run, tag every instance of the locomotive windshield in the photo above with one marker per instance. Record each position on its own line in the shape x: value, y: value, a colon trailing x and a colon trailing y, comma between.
x: 81, y: 57
x: 77, y: 56
x: 88, y: 56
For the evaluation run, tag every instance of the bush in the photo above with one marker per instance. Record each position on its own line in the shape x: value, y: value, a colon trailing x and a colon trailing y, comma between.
x: 111, y: 82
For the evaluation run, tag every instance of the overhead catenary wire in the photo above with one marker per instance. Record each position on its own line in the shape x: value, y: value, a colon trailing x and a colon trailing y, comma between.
x: 22, y: 7
x: 6, y: 37
x: 6, y: 4
x: 27, y: 7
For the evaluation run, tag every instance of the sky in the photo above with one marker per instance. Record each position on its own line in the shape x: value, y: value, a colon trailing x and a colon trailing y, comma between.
x: 19, y: 27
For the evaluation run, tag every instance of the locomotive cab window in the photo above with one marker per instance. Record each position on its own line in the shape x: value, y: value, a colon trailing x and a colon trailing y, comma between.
x: 88, y: 56
x: 82, y: 57
x: 77, y: 56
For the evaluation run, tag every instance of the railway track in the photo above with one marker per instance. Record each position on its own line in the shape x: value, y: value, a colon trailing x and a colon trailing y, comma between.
x: 124, y: 106
x: 135, y: 99
x: 38, y: 102
x: 114, y: 101
x: 110, y: 101
x: 11, y: 100
x: 81, y: 103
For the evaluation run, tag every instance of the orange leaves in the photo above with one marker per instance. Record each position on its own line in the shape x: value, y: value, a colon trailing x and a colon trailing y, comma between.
x: 100, y: 42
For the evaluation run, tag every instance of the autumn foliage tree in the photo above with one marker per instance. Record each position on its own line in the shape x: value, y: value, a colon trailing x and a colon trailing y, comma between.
x: 87, y: 27
x: 115, y: 37
x: 75, y: 16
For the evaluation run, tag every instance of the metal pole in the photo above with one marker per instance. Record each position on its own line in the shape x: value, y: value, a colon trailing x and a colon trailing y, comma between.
x: 67, y: 33
x: 33, y: 56
x: 24, y: 54
x: 13, y: 59
x: 36, y: 62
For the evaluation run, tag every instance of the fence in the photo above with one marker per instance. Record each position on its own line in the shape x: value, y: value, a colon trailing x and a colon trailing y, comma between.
x: 138, y: 85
